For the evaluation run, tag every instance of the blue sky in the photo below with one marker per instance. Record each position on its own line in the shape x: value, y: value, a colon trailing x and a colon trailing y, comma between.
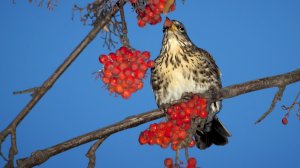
x: 248, y: 39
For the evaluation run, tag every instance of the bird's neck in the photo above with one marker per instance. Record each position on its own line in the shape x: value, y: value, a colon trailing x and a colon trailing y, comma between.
x: 174, y: 44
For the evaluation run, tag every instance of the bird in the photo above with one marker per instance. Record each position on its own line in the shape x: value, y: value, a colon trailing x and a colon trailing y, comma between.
x: 181, y: 68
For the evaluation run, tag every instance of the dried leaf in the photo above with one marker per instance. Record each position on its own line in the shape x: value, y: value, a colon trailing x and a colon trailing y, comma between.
x: 168, y: 4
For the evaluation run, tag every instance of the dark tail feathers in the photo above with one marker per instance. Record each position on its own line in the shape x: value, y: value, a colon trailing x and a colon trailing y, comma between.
x: 217, y: 135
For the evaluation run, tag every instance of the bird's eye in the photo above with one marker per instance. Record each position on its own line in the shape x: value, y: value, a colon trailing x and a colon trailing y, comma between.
x: 181, y: 28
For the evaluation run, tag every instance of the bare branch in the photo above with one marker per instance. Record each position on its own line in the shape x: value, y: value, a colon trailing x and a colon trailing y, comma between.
x: 11, y: 128
x: 91, y: 154
x: 124, y: 38
x: 277, y: 97
x: 12, y: 151
x: 2, y: 155
x: 259, y: 84
x: 30, y: 90
x: 41, y: 156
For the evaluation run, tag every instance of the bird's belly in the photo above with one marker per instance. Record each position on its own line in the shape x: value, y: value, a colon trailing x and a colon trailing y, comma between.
x: 180, y: 84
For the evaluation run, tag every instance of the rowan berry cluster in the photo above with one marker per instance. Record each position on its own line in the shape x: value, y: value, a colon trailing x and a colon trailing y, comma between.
x: 124, y: 71
x: 182, y: 113
x: 152, y: 12
x: 177, y: 131
x: 191, y: 163
x: 163, y: 134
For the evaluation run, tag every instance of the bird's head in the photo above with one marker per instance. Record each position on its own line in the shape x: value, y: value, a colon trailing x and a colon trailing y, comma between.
x: 175, y: 35
x: 174, y: 27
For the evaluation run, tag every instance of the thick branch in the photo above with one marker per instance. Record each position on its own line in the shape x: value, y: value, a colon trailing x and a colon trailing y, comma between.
x: 259, y: 84
x: 39, y: 93
x: 41, y: 156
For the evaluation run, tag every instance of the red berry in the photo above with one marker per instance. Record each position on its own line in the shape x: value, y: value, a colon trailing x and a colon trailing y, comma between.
x: 141, y: 23
x: 122, y: 76
x: 128, y: 72
x: 189, y: 166
x: 116, y: 70
x: 113, y: 81
x: 192, y: 143
x: 146, y: 55
x: 107, y: 73
x: 150, y: 64
x: 142, y: 139
x: 153, y: 127
x: 151, y: 141
x: 129, y: 80
x: 203, y: 114
x: 182, y: 134
x: 105, y: 80
x: 166, y: 140
x: 119, y: 89
x: 112, y: 56
x: 174, y: 147
x: 108, y: 65
x: 103, y: 59
x: 143, y: 66
x: 140, y: 85
x: 139, y: 74
x: 123, y: 50
x: 192, y: 161
x: 126, y: 94
x: 134, y: 66
x: 168, y: 162
x: 284, y: 121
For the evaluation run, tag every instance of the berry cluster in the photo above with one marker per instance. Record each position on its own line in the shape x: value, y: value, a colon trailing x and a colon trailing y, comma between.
x: 151, y: 13
x: 176, y: 131
x: 182, y: 113
x: 124, y: 71
x: 191, y: 163
x: 163, y: 134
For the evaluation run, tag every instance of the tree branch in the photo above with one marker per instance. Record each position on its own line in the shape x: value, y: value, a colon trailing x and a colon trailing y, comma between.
x: 43, y: 155
x: 124, y: 37
x: 42, y: 90
x: 91, y: 153
x: 276, y: 98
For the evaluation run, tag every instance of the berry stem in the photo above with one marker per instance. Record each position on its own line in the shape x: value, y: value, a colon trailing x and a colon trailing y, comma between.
x: 177, y: 157
x: 186, y: 153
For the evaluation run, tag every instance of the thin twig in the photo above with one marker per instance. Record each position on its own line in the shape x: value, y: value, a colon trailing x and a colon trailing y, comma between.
x: 186, y: 152
x: 41, y: 156
x: 292, y: 107
x: 277, y: 97
x: 2, y: 155
x: 293, y: 104
x: 91, y: 154
x: 12, y: 151
x: 30, y: 90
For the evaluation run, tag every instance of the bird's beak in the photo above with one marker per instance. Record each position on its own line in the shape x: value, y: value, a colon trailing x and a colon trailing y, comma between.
x: 168, y: 24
